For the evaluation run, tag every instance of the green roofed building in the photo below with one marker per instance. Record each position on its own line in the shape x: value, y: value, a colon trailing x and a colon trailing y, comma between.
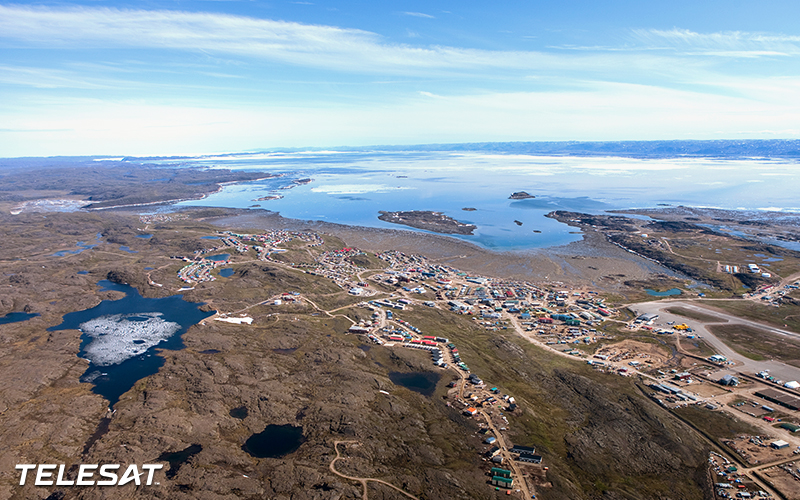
x: 497, y: 471
x: 790, y: 427
x: 503, y: 482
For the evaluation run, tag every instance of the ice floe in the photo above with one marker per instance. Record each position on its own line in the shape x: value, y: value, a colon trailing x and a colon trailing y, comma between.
x: 118, y: 337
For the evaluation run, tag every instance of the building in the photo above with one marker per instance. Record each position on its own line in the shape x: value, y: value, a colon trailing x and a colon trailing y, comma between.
x: 523, y: 450
x: 781, y: 398
x: 503, y: 482
x: 496, y: 471
x: 779, y: 444
x: 646, y: 318
x: 729, y: 380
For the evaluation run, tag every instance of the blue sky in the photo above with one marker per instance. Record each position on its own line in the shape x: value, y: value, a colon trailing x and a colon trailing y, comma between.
x: 190, y: 77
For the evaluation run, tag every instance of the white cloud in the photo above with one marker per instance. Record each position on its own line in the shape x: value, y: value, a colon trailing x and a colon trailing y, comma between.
x: 725, y: 43
x: 418, y: 14
x: 293, y: 43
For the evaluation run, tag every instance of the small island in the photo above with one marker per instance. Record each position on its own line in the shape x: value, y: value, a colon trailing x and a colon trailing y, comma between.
x: 469, y: 209
x: 520, y: 195
x: 269, y: 197
x: 429, y: 221
x: 517, y: 222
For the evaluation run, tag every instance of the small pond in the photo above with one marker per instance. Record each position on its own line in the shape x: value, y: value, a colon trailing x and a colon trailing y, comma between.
x: 219, y: 257
x: 16, y: 317
x: 239, y: 412
x: 178, y: 458
x: 144, y: 236
x: 421, y: 382
x: 226, y: 273
x: 671, y: 291
x: 274, y: 441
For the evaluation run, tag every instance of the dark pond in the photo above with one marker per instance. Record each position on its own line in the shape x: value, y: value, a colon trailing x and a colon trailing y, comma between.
x: 240, y: 412
x: 274, y: 441
x: 285, y: 351
x: 127, y: 249
x: 83, y: 272
x: 119, y: 337
x: 144, y: 236
x: 178, y: 458
x: 148, y: 268
x: 211, y: 351
x: 16, y: 317
x: 421, y: 382
x: 226, y: 273
x: 219, y: 257
x: 365, y: 347
x: 209, y: 237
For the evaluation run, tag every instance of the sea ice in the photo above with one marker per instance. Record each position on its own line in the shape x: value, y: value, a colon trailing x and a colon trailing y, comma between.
x: 123, y: 336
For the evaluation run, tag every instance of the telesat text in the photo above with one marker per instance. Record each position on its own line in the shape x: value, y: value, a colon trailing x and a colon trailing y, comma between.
x: 46, y: 475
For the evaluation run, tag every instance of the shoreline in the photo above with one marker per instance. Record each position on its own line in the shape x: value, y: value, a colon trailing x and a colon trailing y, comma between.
x: 587, y: 261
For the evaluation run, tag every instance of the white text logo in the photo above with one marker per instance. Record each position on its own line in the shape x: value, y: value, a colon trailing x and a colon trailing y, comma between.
x: 46, y: 475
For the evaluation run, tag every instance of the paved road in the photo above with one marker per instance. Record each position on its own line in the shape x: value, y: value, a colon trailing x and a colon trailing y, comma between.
x: 776, y: 368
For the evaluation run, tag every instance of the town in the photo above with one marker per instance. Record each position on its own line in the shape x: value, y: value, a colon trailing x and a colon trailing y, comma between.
x: 574, y: 322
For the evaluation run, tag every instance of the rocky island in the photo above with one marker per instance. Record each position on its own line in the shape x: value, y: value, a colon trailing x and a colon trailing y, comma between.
x: 429, y: 221
x: 520, y: 195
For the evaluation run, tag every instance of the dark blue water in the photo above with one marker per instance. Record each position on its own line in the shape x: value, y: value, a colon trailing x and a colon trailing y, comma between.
x: 83, y: 272
x: 274, y: 441
x: 16, y: 317
x: 127, y: 249
x: 114, y: 380
x: 144, y: 236
x: 219, y: 257
x: 672, y: 291
x: 421, y: 382
x: 226, y: 273
x: 209, y: 237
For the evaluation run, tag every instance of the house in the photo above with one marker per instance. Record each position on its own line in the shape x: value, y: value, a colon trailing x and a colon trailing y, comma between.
x: 503, y: 482
x: 523, y: 450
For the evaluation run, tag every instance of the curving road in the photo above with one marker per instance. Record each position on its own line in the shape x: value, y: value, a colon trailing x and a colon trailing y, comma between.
x: 362, y: 480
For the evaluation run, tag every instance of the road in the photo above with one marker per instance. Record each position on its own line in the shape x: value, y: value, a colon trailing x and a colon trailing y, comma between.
x: 776, y: 368
x: 362, y: 480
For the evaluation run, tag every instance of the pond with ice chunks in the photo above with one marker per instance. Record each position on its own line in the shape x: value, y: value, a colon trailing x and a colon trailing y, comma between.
x: 119, y: 337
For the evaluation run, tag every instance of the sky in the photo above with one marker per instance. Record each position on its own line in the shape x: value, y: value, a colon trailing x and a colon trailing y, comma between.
x: 146, y: 77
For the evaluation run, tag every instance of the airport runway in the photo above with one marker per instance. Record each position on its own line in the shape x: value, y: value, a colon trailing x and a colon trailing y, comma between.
x: 776, y: 368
